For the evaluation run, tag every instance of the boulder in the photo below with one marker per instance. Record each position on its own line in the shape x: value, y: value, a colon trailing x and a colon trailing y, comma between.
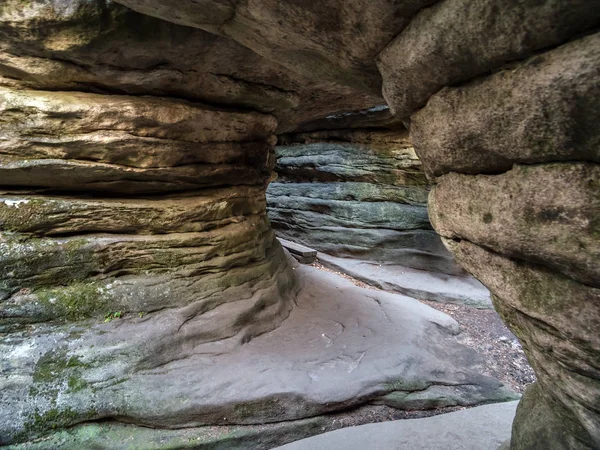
x: 443, y: 45
x: 553, y: 115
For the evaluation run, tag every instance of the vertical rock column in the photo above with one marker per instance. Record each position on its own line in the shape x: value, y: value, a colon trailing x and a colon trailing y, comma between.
x: 119, y: 206
x: 514, y: 155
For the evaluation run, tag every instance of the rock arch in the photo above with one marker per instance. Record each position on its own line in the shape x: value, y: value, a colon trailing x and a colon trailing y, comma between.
x: 501, y: 102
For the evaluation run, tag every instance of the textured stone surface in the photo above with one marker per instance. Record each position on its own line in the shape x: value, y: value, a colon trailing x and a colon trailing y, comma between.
x: 116, y: 435
x: 514, y: 156
x: 553, y: 115
x: 443, y: 45
x: 481, y: 428
x: 556, y: 319
x: 421, y: 284
x: 547, y: 214
x: 286, y: 65
x: 71, y: 257
x: 357, y: 193
x: 100, y: 46
x: 328, y: 355
x: 379, y: 157
x: 335, y: 40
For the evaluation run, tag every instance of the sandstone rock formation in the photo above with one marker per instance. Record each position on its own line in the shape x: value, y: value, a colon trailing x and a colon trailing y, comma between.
x: 173, y: 370
x: 161, y: 129
x: 358, y: 193
x: 514, y: 157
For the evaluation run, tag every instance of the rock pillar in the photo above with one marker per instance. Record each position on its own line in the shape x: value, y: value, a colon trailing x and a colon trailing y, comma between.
x: 508, y: 131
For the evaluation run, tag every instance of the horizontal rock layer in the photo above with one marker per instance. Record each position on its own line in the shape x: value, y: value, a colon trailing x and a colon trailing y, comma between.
x: 355, y: 193
x: 146, y: 212
x: 103, y: 47
x: 513, y: 155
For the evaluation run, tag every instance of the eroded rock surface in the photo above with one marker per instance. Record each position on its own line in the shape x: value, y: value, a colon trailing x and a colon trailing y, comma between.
x: 357, y: 193
x: 331, y: 353
x: 513, y: 156
x: 507, y: 93
x: 147, y: 213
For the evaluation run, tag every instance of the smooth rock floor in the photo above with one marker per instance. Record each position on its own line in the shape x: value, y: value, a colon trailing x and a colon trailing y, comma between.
x: 341, y: 346
x: 481, y: 428
x: 433, y: 286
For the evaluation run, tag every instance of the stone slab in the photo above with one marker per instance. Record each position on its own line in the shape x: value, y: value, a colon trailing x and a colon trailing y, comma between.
x: 482, y: 428
x: 340, y: 347
x: 434, y: 286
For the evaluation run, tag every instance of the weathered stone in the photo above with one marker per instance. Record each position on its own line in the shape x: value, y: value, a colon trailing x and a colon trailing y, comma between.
x: 103, y: 47
x: 51, y: 278
x: 351, y: 191
x: 202, y: 211
x: 547, y: 214
x: 334, y: 40
x: 390, y: 164
x: 356, y: 193
x: 551, y: 115
x: 422, y: 284
x: 378, y: 116
x: 173, y: 369
x: 124, y: 144
x: 556, y: 319
x: 456, y: 40
x: 212, y: 287
x: 115, y: 435
x: 322, y: 209
x: 28, y: 113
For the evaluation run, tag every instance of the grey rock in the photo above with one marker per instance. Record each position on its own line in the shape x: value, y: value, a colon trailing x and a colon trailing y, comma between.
x: 330, y: 354
x: 104, y: 47
x: 421, y: 284
x: 382, y: 163
x: 443, y: 45
x: 356, y: 193
x: 481, y: 428
x: 551, y: 115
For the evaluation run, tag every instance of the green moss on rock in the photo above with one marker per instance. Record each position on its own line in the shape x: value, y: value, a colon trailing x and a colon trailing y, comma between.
x: 77, y: 301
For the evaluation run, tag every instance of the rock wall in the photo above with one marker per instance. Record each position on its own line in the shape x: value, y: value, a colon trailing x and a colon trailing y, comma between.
x: 133, y: 228
x: 359, y: 193
x: 508, y: 134
x: 501, y: 97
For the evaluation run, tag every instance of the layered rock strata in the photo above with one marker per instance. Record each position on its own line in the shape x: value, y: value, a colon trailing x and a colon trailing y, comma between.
x: 357, y: 193
x: 535, y: 63
x: 514, y: 159
x: 149, y: 212
x: 103, y: 47
x: 131, y: 204
x: 140, y: 281
x: 331, y: 354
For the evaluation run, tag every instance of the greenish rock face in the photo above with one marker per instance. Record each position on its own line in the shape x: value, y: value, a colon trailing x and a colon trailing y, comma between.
x: 357, y: 194
x: 155, y: 217
x: 135, y: 149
